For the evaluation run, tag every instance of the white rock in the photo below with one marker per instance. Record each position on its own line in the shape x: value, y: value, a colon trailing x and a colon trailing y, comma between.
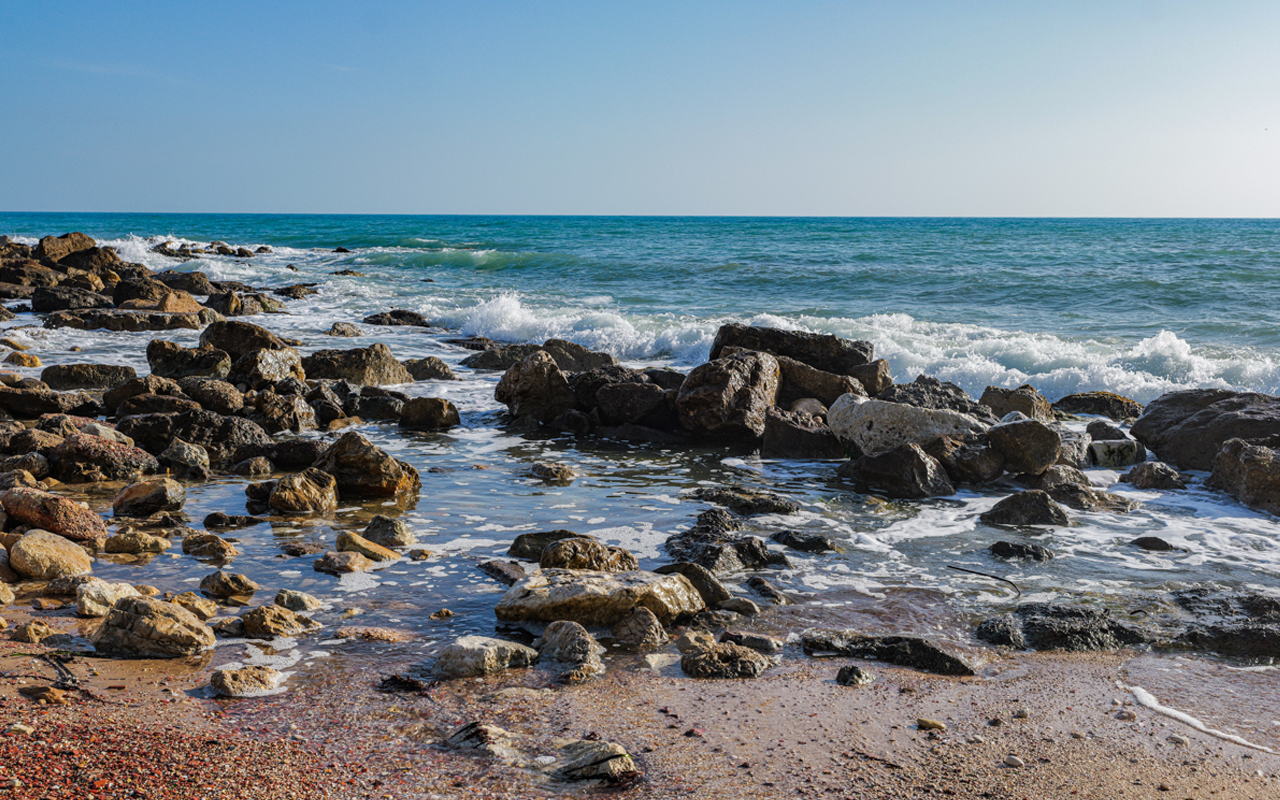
x: 596, y: 598
x: 96, y: 597
x: 473, y: 656
x: 877, y: 426
x: 1014, y: 761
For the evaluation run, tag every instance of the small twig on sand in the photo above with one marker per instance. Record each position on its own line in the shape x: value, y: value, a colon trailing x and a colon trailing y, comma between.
x: 985, y: 575
x: 874, y: 757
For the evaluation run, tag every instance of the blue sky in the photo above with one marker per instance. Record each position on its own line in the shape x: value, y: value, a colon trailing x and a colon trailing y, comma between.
x: 798, y: 108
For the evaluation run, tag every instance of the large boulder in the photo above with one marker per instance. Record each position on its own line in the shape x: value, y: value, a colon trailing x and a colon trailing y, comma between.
x: 367, y: 366
x: 44, y: 556
x: 502, y: 357
x: 1025, y: 400
x: 308, y: 492
x: 589, y: 554
x: 632, y: 402
x: 61, y: 377
x: 728, y: 398
x: 1188, y: 428
x: 792, y: 434
x: 236, y: 338
x: 265, y: 366
x: 31, y: 403
x: 971, y: 460
x: 572, y: 357
x: 1103, y: 404
x: 83, y: 458
x: 535, y: 387
x: 220, y: 436
x: 929, y: 392
x: 476, y: 656
x: 875, y: 426
x: 429, y: 414
x: 821, y: 351
x: 49, y: 512
x: 799, y: 380
x: 144, y: 627
x: 1250, y: 473
x: 905, y: 471
x: 63, y: 298
x: 429, y: 368
x: 172, y: 360
x: 364, y: 469
x: 596, y: 598
x: 56, y: 248
x: 1028, y: 445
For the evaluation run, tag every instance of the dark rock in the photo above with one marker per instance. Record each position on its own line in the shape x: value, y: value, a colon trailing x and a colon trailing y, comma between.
x: 86, y: 376
x: 727, y: 398
x: 905, y: 471
x: 31, y: 403
x: 789, y: 434
x: 343, y: 329
x: 824, y: 352
x: 220, y: 435
x: 373, y: 365
x: 296, y: 291
x: 1075, y: 449
x: 1047, y: 626
x: 429, y: 414
x: 1154, y: 543
x: 386, y: 409
x: 804, y: 542
x: 220, y: 520
x: 264, y: 367
x: 535, y: 388
x: 1116, y: 453
x: 572, y: 357
x: 363, y: 469
x: 1154, y: 475
x: 1032, y: 507
x: 904, y: 651
x: 747, y: 502
x: 276, y: 414
x: 801, y: 380
x: 767, y: 590
x: 626, y: 403
x: 397, y: 317
x: 587, y: 385
x: 190, y: 282
x: 853, y: 675
x: 723, y: 660
x: 1087, y: 498
x: 83, y: 458
x: 102, y: 319
x: 428, y: 369
x: 874, y: 377
x: 709, y: 588
x: 927, y: 392
x: 1103, y: 404
x: 666, y: 378
x: 1011, y: 550
x: 1027, y: 445
x: 150, y: 384
x: 500, y: 357
x: 720, y: 551
x: 254, y: 467
x: 213, y: 394
x: 507, y: 572
x: 581, y: 552
x: 529, y: 546
x: 149, y: 497
x: 59, y: 298
x: 1025, y: 399
x: 156, y: 404
x: 1188, y: 428
x: 967, y: 461
x: 1102, y: 431
x: 237, y: 338
x: 1250, y: 473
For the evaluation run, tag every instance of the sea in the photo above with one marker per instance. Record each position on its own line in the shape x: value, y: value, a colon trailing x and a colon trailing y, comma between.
x: 1136, y: 306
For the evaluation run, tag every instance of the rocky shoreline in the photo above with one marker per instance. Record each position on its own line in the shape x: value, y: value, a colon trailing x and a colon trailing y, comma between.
x: 246, y: 406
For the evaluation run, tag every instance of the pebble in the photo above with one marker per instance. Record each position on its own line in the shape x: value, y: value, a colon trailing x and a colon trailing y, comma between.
x: 1179, y: 739
x: 18, y: 728
x: 1077, y: 735
x: 926, y: 724
x: 1126, y: 715
x: 1022, y: 713
x: 1013, y: 761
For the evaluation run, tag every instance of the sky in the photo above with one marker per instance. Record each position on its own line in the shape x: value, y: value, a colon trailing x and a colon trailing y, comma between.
x: 1132, y: 109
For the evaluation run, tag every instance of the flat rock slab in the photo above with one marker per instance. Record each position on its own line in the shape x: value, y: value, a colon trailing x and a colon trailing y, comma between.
x: 596, y: 598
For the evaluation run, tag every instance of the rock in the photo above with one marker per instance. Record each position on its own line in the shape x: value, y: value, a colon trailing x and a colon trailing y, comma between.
x: 49, y: 512
x: 1188, y: 428
x: 825, y: 352
x: 95, y: 598
x: 1046, y: 626
x: 587, y: 554
x: 505, y: 572
x: 363, y: 469
x: 186, y: 461
x: 429, y: 369
x: 343, y: 329
x: 876, y: 426
x: 220, y: 520
x: 151, y: 384
x: 721, y: 551
x: 144, y: 627
x: 246, y: 681
x: 388, y: 532
x: 1100, y: 431
x: 429, y: 414
x: 297, y: 601
x: 567, y: 648
x: 29, y: 403
x: 260, y: 368
x: 1013, y: 761
x: 131, y: 320
x: 1103, y: 404
x: 397, y: 316
x: 227, y: 584
x: 756, y: 641
x: 853, y: 675
x: 874, y: 377
x: 927, y: 392
x: 572, y: 357
x: 592, y: 598
x: 276, y: 414
x: 801, y: 380
x: 1025, y: 399
x: 351, y: 543
x: 1012, y: 550
x: 727, y: 398
x: 203, y: 609
x: 221, y: 436
x: 529, y: 546
x: 1250, y: 473
x: 41, y: 555
x: 237, y: 338
x: 631, y: 403
x: 33, y: 632
x: 1027, y: 445
x: 33, y: 441
x: 374, y: 365
x: 710, y: 589
x: 1154, y: 543
x: 135, y: 543
x: 45, y: 299
x: 311, y: 491
x: 788, y: 434
x: 1032, y: 507
x: 172, y: 360
x: 767, y: 590
x: 287, y: 452
x: 155, y: 404
x: 149, y: 497
x: 56, y: 248
x: 804, y: 542
x: 535, y: 387
x: 191, y: 282
x: 502, y: 357
x: 475, y: 656
x: 213, y: 394
x: 1086, y: 498
x: 269, y: 622
x: 970, y: 460
x: 1075, y: 449
x: 23, y: 360
x: 553, y: 472
x: 254, y: 467
x: 905, y: 471
x: 1154, y: 475
x: 1117, y: 453
x: 640, y: 629
x: 86, y: 376
x: 339, y: 563
x: 723, y: 660
x: 904, y: 651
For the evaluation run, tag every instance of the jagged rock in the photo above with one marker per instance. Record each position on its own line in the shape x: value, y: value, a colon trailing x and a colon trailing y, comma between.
x: 271, y: 621
x: 1104, y: 404
x: 41, y: 555
x: 56, y: 248
x: 800, y: 380
x: 1047, y: 626
x: 33, y: 402
x: 1025, y: 399
x: 1188, y: 428
x: 594, y: 760
x: 373, y: 365
x: 397, y: 316
x: 1075, y: 449
x: 343, y: 329
x: 86, y: 376
x: 190, y: 282
x: 277, y: 414
x: 95, y: 598
x: 905, y: 471
x: 587, y: 554
x: 804, y: 542
x: 876, y: 426
x: 971, y: 460
x: 144, y: 627
x: 1032, y: 507
x: 221, y: 436
x: 1117, y: 453
x: 789, y: 434
x: 723, y: 660
x: 721, y: 551
x: 631, y: 402
x: 227, y: 584
x: 172, y: 360
x: 928, y: 392
x: 904, y: 651
x: 499, y: 357
x: 131, y: 320
x: 592, y: 598
x: 236, y: 338
x: 64, y: 298
x: 213, y: 394
x: 150, y: 384
x: 429, y: 414
x: 747, y: 502
x: 186, y: 461
x: 264, y: 366
x: 1250, y: 473
x: 311, y: 491
x: 640, y: 629
x: 475, y: 656
x: 49, y: 512
x: 339, y: 563
x: 220, y: 520
x: 821, y: 351
x: 874, y: 377
x: 155, y: 404
x: 149, y: 497
x: 1011, y: 550
x: 709, y: 588
x: 429, y: 369
x: 1087, y: 498
x: 1154, y: 475
x: 135, y: 542
x: 246, y: 681
x: 1027, y: 445
x: 535, y: 387
x: 529, y: 546
x: 363, y: 469
x: 567, y: 648
x: 297, y: 601
x: 727, y: 398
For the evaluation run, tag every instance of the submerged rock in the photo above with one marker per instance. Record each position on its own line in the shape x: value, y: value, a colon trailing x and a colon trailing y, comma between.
x: 1049, y: 626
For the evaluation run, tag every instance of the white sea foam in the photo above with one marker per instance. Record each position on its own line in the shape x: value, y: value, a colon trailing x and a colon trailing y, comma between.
x: 1148, y: 700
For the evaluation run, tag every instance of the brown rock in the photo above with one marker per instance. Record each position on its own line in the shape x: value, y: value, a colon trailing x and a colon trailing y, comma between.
x: 535, y: 387
x: 144, y: 627
x: 363, y: 469
x: 311, y: 491
x: 52, y: 513
x: 727, y: 398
